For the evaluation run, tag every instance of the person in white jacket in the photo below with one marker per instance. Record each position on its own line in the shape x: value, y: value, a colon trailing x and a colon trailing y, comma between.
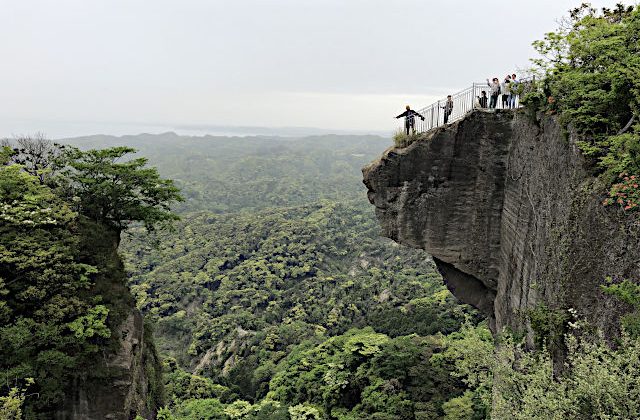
x: 505, y: 89
x: 494, y: 92
x: 514, y: 91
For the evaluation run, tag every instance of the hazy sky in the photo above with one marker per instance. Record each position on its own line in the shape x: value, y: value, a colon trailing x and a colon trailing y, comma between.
x: 72, y: 67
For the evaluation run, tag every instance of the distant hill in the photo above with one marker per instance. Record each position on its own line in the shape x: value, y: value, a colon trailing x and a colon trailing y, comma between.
x: 222, y: 174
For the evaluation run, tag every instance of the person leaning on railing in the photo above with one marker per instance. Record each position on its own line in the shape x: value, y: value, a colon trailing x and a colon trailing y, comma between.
x: 409, y: 119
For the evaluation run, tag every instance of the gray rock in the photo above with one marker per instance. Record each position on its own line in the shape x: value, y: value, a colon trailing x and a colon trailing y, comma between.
x: 512, y: 216
x: 125, y: 377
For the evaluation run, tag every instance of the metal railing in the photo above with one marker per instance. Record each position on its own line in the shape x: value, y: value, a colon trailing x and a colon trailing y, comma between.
x: 464, y: 102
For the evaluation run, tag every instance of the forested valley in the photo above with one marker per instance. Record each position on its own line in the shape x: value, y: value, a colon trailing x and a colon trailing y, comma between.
x: 274, y: 296
x: 268, y: 292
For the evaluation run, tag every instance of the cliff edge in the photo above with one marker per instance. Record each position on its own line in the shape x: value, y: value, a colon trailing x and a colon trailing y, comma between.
x: 512, y: 216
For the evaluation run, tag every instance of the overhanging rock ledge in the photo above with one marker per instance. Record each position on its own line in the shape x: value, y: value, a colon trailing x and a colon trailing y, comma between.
x: 511, y: 215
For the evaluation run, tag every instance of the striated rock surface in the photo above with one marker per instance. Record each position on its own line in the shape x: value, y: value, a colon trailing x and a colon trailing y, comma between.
x: 511, y: 215
x: 118, y: 387
x: 125, y: 380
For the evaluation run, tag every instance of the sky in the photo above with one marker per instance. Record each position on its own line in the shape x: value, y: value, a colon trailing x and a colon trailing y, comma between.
x: 80, y: 67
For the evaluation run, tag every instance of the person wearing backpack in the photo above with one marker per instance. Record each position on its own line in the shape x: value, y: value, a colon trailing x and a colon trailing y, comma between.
x: 494, y: 91
x: 409, y: 119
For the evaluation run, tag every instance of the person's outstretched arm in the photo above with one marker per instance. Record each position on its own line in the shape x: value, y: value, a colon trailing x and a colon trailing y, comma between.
x: 404, y: 114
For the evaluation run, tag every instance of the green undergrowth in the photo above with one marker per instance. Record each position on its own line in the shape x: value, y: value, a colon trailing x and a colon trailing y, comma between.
x: 402, y: 139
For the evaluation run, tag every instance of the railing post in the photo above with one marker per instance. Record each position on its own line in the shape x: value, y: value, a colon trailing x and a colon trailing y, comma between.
x: 473, y: 94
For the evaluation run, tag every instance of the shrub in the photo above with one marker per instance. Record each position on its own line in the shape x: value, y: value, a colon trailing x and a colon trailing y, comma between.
x: 625, y: 193
x: 402, y: 139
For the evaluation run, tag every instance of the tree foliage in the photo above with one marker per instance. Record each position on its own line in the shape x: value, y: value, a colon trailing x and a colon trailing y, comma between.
x: 364, y: 374
x: 270, y: 271
x: 252, y: 286
x: 115, y: 191
x: 41, y: 288
x: 60, y: 291
x: 591, y: 70
x: 596, y: 382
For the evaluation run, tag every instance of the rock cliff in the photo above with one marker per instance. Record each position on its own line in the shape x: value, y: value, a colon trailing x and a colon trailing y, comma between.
x: 126, y: 380
x: 512, y: 216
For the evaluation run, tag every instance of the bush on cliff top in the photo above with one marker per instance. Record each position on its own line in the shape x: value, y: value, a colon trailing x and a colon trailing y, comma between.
x: 591, y: 77
x: 402, y: 139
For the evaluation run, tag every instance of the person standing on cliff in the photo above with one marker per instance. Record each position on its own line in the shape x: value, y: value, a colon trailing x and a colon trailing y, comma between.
x: 514, y: 91
x: 482, y: 100
x: 494, y: 91
x: 409, y: 119
x: 448, y: 108
x: 505, y: 88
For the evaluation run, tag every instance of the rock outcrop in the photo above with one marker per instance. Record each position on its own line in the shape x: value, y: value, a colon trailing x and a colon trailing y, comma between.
x: 126, y: 380
x: 512, y: 216
x: 118, y: 387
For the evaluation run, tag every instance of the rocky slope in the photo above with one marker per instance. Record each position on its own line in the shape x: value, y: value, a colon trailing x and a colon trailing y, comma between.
x: 512, y: 216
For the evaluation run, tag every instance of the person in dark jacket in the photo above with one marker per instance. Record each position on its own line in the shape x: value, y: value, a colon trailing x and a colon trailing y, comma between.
x: 409, y: 119
x: 448, y: 108
x: 482, y: 100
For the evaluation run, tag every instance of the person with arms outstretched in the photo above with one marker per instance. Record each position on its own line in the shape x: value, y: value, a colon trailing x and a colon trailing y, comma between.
x: 410, y: 119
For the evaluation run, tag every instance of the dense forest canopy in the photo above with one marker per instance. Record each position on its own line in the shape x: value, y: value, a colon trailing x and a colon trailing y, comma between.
x: 229, y: 174
x: 283, y: 257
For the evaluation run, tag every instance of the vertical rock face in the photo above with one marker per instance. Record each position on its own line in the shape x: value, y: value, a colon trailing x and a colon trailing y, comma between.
x: 508, y: 210
x: 119, y: 387
x: 125, y: 379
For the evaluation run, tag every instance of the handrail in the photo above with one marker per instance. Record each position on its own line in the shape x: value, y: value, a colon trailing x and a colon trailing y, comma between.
x: 463, y: 102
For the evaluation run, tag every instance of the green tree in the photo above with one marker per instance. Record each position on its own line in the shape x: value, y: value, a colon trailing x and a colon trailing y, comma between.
x: 47, y: 326
x: 62, y: 286
x: 304, y: 412
x: 11, y: 404
x: 205, y: 409
x: 116, y: 191
x: 459, y: 408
